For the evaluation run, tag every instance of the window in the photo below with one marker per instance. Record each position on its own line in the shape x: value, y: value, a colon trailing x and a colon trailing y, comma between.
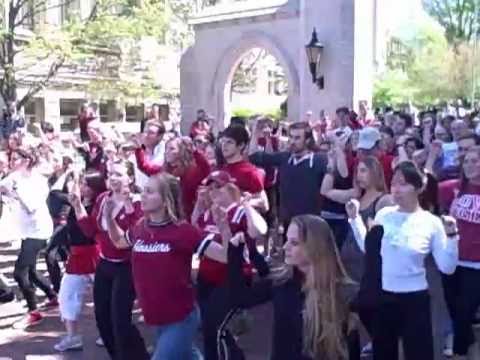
x: 29, y: 110
x: 70, y: 10
x: 25, y: 16
x: 134, y: 113
x: 107, y: 111
x: 103, y: 112
x: 68, y: 113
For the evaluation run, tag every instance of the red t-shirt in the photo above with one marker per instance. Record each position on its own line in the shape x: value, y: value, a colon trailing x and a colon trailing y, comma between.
x: 248, y: 178
x: 214, y: 272
x: 464, y: 206
x: 91, y: 227
x: 161, y: 267
x: 190, y: 178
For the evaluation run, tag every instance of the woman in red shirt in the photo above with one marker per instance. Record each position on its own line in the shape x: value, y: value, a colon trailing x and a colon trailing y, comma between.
x: 462, y: 289
x: 82, y: 259
x: 113, y: 292
x: 182, y: 161
x: 215, y: 307
x: 163, y: 244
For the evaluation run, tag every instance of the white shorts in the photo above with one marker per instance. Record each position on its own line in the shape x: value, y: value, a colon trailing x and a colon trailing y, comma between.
x: 72, y: 293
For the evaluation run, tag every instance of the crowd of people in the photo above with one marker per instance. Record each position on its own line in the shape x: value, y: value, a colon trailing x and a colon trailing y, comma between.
x: 331, y: 220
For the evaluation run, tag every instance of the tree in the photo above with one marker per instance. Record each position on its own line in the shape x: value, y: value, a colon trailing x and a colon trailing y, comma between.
x: 459, y: 18
x: 432, y: 71
x: 33, y: 49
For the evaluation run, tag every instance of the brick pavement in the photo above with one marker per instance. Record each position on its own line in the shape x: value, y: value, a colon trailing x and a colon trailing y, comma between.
x: 37, y: 343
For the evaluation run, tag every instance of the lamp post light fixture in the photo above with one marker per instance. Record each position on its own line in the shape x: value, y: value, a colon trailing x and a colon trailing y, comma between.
x: 314, y: 54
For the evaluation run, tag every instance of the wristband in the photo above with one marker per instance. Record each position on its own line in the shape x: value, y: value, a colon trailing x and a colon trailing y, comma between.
x: 453, y: 234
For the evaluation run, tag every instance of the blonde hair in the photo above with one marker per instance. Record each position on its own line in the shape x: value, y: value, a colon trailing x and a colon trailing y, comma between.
x: 326, y: 311
x: 168, y: 186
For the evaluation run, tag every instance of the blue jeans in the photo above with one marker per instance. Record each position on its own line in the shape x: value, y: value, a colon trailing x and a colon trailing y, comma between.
x: 176, y: 341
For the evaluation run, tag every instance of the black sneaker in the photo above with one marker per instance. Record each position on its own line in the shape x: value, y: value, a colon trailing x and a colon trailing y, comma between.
x: 6, y: 296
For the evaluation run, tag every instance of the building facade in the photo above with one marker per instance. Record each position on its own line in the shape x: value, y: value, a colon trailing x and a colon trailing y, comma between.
x: 59, y: 102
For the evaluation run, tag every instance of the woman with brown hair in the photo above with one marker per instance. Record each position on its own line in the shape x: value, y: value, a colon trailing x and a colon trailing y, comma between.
x: 410, y: 234
x: 369, y: 188
x: 29, y: 189
x: 82, y: 258
x: 462, y: 288
x: 310, y: 292
x: 183, y: 161
x: 113, y: 290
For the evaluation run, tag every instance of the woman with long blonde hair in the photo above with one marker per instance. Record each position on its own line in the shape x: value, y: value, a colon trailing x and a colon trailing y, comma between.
x: 310, y: 294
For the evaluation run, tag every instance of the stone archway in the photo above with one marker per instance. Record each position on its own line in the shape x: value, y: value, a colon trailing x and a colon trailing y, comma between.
x: 228, y: 62
x: 282, y: 27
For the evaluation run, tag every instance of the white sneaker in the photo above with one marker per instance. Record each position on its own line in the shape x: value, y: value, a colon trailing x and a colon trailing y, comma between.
x: 99, y: 342
x: 69, y: 343
x: 367, y: 350
x: 448, y: 347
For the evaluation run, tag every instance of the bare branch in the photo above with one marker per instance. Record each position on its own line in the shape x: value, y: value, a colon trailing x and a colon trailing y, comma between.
x: 39, y: 8
x: 54, y: 67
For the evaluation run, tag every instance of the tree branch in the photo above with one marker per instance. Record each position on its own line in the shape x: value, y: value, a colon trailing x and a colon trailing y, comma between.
x: 54, y: 67
x: 40, y: 7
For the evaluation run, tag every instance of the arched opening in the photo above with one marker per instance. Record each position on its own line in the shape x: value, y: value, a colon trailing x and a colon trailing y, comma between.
x: 229, y: 61
x: 257, y: 84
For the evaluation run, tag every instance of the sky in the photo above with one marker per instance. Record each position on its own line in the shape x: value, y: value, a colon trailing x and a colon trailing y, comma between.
x: 404, y: 16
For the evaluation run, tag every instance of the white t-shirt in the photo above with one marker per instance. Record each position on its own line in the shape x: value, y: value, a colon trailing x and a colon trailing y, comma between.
x: 408, y: 239
x: 158, y: 158
x: 36, y: 222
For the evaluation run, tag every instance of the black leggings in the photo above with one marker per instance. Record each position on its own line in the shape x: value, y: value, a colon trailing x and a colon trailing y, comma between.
x: 56, y: 251
x: 462, y: 294
x: 26, y: 275
x: 405, y: 316
x: 113, y: 296
x: 216, y: 313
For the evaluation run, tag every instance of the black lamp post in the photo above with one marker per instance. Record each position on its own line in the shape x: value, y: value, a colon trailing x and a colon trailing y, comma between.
x: 314, y: 54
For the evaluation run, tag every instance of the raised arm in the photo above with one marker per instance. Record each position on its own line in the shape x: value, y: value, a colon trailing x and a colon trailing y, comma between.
x: 445, y: 244
x: 356, y: 223
x: 241, y: 294
x: 115, y: 232
x: 256, y: 225
x: 264, y: 159
x: 147, y: 167
x: 340, y: 196
x: 214, y: 250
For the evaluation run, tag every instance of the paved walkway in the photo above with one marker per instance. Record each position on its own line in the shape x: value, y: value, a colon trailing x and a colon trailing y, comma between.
x: 37, y: 343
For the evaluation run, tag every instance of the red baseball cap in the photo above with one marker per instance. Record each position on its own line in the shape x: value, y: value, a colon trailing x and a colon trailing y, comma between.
x: 220, y: 177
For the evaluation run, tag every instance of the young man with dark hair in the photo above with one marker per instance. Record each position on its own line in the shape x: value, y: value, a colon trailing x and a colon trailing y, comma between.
x: 401, y: 124
x: 234, y: 143
x: 300, y: 173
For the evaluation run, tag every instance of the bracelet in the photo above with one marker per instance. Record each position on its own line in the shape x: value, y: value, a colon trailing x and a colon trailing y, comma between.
x: 453, y: 234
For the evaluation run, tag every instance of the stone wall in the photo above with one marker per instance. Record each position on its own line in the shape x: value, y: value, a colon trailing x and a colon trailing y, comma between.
x: 345, y: 27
